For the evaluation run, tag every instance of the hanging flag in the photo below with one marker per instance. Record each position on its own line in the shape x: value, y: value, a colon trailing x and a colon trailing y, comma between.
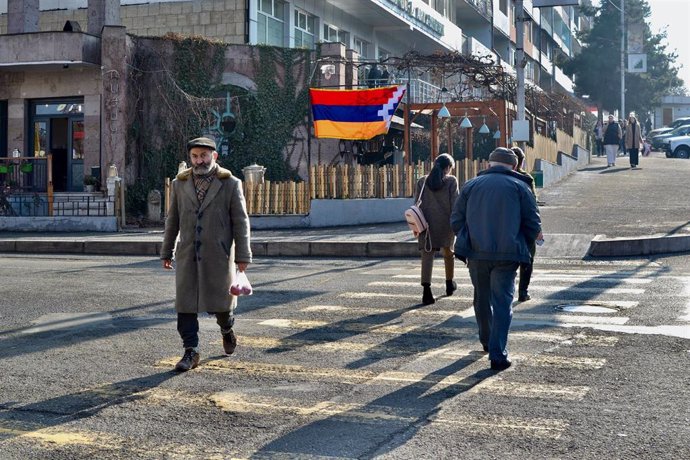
x: 356, y: 114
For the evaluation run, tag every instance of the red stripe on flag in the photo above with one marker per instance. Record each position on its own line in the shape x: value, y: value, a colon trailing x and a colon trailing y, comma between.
x: 377, y: 96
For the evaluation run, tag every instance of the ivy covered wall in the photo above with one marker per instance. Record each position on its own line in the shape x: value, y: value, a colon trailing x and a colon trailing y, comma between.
x: 178, y: 88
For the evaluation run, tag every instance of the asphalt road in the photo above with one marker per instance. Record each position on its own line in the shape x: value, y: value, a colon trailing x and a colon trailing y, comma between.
x: 336, y: 359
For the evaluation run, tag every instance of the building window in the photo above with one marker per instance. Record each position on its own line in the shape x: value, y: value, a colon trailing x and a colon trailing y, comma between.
x: 304, y: 30
x: 503, y: 6
x: 271, y: 22
x: 361, y: 46
x: 335, y: 35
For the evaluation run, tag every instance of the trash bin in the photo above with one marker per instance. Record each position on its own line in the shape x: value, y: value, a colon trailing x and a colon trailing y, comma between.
x: 254, y: 174
x: 538, y: 178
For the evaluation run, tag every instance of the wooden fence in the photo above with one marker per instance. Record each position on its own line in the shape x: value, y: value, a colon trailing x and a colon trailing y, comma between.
x: 389, y: 181
x: 344, y: 182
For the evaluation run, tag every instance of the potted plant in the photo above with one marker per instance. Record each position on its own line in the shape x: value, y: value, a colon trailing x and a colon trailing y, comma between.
x: 90, y: 183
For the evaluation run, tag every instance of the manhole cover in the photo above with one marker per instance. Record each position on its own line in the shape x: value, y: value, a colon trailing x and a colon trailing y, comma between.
x: 585, y: 309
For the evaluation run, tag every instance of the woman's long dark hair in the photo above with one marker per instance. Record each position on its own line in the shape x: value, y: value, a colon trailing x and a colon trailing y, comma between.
x: 435, y: 179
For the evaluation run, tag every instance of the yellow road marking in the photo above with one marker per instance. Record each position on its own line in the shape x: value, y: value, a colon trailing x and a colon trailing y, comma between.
x: 243, y: 403
x: 361, y: 376
x: 531, y: 390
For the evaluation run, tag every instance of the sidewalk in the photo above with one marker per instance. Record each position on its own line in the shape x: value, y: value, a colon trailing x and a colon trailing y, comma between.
x: 606, y: 211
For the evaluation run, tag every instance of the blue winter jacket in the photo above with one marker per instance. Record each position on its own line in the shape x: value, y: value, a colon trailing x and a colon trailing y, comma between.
x: 495, y: 217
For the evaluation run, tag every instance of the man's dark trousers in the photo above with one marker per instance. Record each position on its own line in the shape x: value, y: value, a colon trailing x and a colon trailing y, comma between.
x: 494, y: 289
x: 188, y: 326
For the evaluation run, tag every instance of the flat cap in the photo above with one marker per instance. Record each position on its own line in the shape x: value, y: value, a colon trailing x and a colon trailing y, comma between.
x: 201, y: 142
x: 503, y: 155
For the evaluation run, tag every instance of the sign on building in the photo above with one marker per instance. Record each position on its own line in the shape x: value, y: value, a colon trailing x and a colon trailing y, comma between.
x: 637, y: 63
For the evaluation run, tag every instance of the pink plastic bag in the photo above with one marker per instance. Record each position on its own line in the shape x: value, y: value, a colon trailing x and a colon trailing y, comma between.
x: 241, y: 285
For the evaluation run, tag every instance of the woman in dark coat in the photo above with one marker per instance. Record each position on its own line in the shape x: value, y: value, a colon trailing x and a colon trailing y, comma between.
x: 438, y: 193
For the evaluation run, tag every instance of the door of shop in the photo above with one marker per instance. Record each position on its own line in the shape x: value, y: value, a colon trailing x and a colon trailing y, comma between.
x: 57, y: 128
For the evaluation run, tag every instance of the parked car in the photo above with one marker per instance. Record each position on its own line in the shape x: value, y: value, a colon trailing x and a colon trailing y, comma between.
x: 658, y: 140
x: 677, y: 147
x: 676, y: 123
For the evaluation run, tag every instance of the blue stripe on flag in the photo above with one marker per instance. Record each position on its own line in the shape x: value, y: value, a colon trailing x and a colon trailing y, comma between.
x: 350, y: 113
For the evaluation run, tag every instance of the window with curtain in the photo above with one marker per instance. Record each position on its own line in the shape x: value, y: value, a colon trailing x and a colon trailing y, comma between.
x: 270, y: 22
x: 304, y: 29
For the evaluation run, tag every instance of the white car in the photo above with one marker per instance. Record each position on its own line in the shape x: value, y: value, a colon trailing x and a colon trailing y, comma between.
x: 676, y: 123
x: 677, y: 147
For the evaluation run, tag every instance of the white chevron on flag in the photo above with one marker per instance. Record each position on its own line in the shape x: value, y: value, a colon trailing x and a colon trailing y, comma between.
x: 387, y: 109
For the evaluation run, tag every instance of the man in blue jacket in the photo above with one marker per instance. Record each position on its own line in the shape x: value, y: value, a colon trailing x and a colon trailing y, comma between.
x: 495, y: 219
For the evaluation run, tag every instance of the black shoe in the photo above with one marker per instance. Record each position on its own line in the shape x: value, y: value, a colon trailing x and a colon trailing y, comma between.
x: 501, y: 365
x: 524, y: 297
x: 427, y: 296
x: 451, y: 287
x: 229, y: 342
x: 189, y: 360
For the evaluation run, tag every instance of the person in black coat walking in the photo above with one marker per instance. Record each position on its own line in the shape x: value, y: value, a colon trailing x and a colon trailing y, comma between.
x: 438, y: 192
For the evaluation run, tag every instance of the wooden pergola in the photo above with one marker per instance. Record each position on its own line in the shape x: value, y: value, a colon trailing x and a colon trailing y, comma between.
x: 494, y: 111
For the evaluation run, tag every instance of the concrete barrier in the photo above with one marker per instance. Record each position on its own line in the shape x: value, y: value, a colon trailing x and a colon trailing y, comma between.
x: 59, y: 224
x: 566, y: 164
x: 602, y: 246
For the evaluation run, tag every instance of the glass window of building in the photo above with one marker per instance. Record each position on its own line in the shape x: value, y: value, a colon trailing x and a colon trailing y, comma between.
x: 271, y: 22
x: 503, y: 6
x: 361, y: 46
x: 304, y: 29
x: 334, y: 35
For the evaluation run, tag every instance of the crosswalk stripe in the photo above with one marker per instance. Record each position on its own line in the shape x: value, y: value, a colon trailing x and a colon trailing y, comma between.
x: 393, y: 350
x: 395, y: 378
x: 533, y: 287
x: 519, y: 319
x: 531, y: 390
x: 536, y: 301
x: 551, y: 277
x: 243, y: 403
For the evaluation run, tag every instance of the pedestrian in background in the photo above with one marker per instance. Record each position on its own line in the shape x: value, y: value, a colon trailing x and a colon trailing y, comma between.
x: 526, y: 268
x: 208, y: 213
x: 438, y: 192
x: 633, y: 140
x: 612, y: 140
x: 599, y: 138
x: 495, y: 219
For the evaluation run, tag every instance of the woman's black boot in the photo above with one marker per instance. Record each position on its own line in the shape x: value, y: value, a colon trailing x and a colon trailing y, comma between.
x: 427, y: 296
x: 451, y: 287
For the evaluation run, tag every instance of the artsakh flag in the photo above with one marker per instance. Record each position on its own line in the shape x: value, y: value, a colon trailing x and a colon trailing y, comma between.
x: 356, y: 114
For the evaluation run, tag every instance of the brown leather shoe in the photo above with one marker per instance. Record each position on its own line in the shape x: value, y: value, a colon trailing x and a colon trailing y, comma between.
x: 189, y: 360
x: 229, y: 342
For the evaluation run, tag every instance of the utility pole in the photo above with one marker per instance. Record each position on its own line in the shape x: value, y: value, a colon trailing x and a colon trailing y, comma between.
x: 521, y: 62
x: 622, y: 60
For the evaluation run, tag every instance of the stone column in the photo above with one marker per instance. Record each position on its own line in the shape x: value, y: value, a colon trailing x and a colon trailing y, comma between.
x: 337, y: 76
x: 22, y: 16
x: 102, y: 13
x: 113, y: 100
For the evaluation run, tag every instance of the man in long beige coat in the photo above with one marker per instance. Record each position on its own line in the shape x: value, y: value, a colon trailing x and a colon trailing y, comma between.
x: 209, y: 214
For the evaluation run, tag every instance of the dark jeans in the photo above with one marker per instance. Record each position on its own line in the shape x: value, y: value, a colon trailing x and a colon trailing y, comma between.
x: 494, y: 288
x: 188, y: 326
x: 634, y: 156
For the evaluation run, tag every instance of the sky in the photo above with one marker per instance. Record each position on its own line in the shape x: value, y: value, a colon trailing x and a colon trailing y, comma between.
x: 674, y: 17
x: 674, y: 14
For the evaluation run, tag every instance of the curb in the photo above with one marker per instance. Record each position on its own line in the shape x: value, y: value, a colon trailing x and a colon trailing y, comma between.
x: 374, y: 249
x: 601, y: 246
